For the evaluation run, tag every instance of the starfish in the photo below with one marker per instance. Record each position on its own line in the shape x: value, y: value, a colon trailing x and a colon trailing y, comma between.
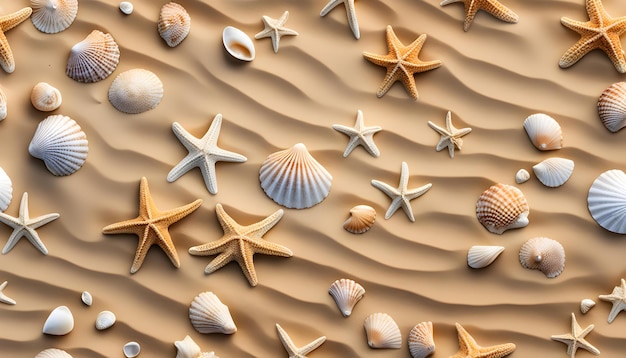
x: 7, y: 22
x: 401, y: 63
x: 240, y: 243
x: 468, y: 348
x: 290, y: 347
x: 401, y: 196
x: 359, y: 135
x: 617, y: 298
x: 4, y: 298
x: 576, y: 339
x: 350, y: 12
x: 494, y: 7
x: 450, y: 136
x: 24, y: 226
x: 152, y: 226
x: 274, y: 29
x: 203, y: 153
x: 601, y: 31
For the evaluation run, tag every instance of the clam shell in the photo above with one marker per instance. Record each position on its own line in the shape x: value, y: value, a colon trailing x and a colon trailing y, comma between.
x: 544, y: 131
x: 346, y: 293
x: 105, y: 320
x: 174, y: 23
x: 382, y: 331
x: 3, y: 104
x: 60, y: 143
x: 294, y: 179
x: 361, y: 219
x: 94, y: 58
x: 238, y: 44
x: 136, y: 91
x: 45, y: 97
x: 53, y: 353
x: 522, y: 176
x: 86, y: 298
x: 482, y: 256
x: 209, y: 315
x: 131, y: 349
x: 60, y: 322
x: 554, y: 172
x: 586, y: 304
x: 612, y: 107
x: 607, y: 201
x: 6, y: 190
x: 543, y: 254
x: 420, y: 339
x: 126, y: 7
x: 187, y: 348
x: 502, y: 207
x: 52, y: 16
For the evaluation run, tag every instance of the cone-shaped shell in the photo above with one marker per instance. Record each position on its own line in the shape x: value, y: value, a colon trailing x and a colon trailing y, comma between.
x: 554, y: 172
x: 86, y: 298
x: 382, y: 331
x: 209, y: 315
x: 187, y: 348
x: 60, y: 322
x: 420, y: 339
x: 52, y: 16
x: 482, y: 256
x: 105, y: 320
x: 502, y: 207
x: 238, y: 44
x: 60, y: 143
x: 294, y: 179
x: 612, y: 107
x: 45, y: 97
x: 607, y: 201
x: 131, y: 349
x: 346, y: 293
x: 3, y: 104
x: 136, y: 91
x: 522, y: 176
x: 6, y: 190
x: 543, y: 254
x: 94, y: 58
x: 361, y: 219
x: 126, y: 7
x: 53, y: 353
x: 174, y: 23
x: 586, y: 304
x: 544, y: 131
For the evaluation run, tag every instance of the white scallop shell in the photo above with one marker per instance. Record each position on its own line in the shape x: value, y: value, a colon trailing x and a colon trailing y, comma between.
x: 60, y: 143
x: 3, y: 104
x: 607, y: 201
x: 86, y: 298
x: 346, y: 293
x: 238, y: 44
x: 294, y: 179
x: 53, y: 353
x: 361, y: 219
x: 502, y: 207
x: 586, y: 304
x: 6, y: 190
x: 60, y: 322
x: 554, y: 172
x: 612, y: 107
x: 543, y: 254
x: 209, y: 315
x: 53, y: 16
x: 174, y: 23
x: 482, y: 256
x: 420, y: 339
x: 382, y: 331
x: 45, y: 97
x: 136, y: 91
x: 187, y: 348
x: 131, y: 349
x: 105, y: 320
x: 126, y: 7
x: 544, y: 131
x: 94, y: 58
x: 522, y: 176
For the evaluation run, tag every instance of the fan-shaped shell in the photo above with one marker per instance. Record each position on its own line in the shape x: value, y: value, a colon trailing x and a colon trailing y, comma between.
x: 482, y: 256
x: 136, y: 91
x: 238, y: 44
x: 60, y: 143
x: 131, y: 349
x: 420, y: 339
x: 502, y: 207
x: 543, y: 254
x: 53, y: 353
x: 45, y: 97
x: 554, y: 172
x: 174, y: 23
x: 544, y: 131
x: 361, y: 219
x: 522, y: 176
x: 612, y: 107
x: 606, y: 201
x: 209, y: 315
x: 86, y: 298
x: 105, y: 320
x: 94, y: 58
x: 126, y: 7
x: 382, y: 331
x: 586, y: 304
x: 346, y: 293
x: 6, y: 190
x: 3, y: 104
x: 60, y: 322
x: 52, y: 16
x: 187, y: 348
x: 294, y: 179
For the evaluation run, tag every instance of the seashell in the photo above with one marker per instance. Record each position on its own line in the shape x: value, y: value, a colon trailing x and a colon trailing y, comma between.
x: 543, y: 254
x: 482, y: 256
x: 544, y: 131
x: 207, y: 355
x: 60, y: 143
x: 6, y: 190
x: 53, y: 353
x: 294, y: 179
x: 502, y: 207
x: 361, y: 219
x: 174, y: 23
x: 126, y: 7
x: 347, y: 293
x: 136, y: 91
x: 238, y: 44
x: 382, y: 331
x: 45, y: 97
x: 187, y: 348
x: 607, y: 201
x: 86, y: 298
x: 209, y: 315
x: 421, y: 342
x: 131, y: 349
x: 53, y: 16
x: 586, y: 304
x: 554, y: 172
x: 612, y: 107
x: 60, y: 322
x: 3, y: 104
x: 94, y: 58
x: 522, y: 176
x: 104, y: 320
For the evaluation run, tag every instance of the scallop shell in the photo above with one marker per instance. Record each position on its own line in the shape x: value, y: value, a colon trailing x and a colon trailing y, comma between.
x: 53, y: 353
x: 543, y: 254
x: 482, y: 256
x: 294, y: 179
x: 45, y: 97
x: 187, y: 348
x: 382, y: 331
x: 607, y: 201
x: 126, y: 7
x: 361, y: 219
x: 544, y: 131
x: 421, y: 342
x: 131, y: 349
x: 60, y: 143
x: 174, y: 24
x: 346, y: 293
x: 554, y: 172
x: 136, y: 91
x: 209, y: 315
x: 502, y: 207
x: 60, y: 322
x: 105, y: 320
x: 52, y: 16
x: 86, y: 298
x: 94, y: 58
x: 612, y: 107
x: 586, y: 304
x: 522, y: 176
x: 3, y: 104
x: 238, y: 44
x: 6, y: 190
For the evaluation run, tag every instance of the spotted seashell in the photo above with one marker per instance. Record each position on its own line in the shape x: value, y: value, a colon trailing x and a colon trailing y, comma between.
x: 420, y: 339
x: 612, y: 107
x: 94, y: 58
x: 52, y: 16
x: 61, y: 144
x: 361, y: 219
x: 136, y: 91
x: 522, y: 176
x: 131, y: 349
x: 482, y: 256
x: 45, y: 97
x: 209, y: 315
x: 60, y: 322
x: 3, y: 105
x: 105, y: 320
x: 174, y: 24
x: 554, y: 172
x: 126, y: 7
x: 607, y: 201
x: 543, y: 254
x: 6, y: 190
x: 346, y: 293
x: 238, y: 44
x: 586, y: 304
x: 86, y: 298
x: 382, y: 331
x: 53, y: 353
x: 544, y: 131
x: 502, y: 207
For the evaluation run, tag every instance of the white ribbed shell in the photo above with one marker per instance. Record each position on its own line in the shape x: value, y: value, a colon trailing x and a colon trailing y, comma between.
x: 3, y: 104
x: 502, y: 207
x: 45, y: 97
x: 187, y: 348
x: 209, y: 315
x: 607, y: 200
x: 586, y: 304
x: 482, y: 256
x: 420, y: 339
x: 544, y: 131
x: 238, y: 44
x: 53, y: 353
x: 105, y: 320
x: 61, y: 144
x: 543, y: 254
x: 52, y: 16
x: 136, y: 91
x: 60, y: 322
x: 346, y: 293
x: 361, y: 219
x: 554, y: 172
x: 382, y: 331
x: 94, y: 58
x: 174, y: 23
x: 612, y: 107
x: 6, y: 190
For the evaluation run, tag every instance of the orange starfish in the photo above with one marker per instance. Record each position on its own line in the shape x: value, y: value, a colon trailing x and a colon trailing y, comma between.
x: 494, y: 7
x: 468, y: 348
x: 7, y: 22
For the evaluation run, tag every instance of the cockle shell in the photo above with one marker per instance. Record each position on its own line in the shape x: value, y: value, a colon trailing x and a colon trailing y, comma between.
x: 209, y: 315
x: 94, y: 58
x: 586, y: 304
x: 126, y: 7
x: 420, y: 339
x: 136, y: 91
x: 382, y: 331
x: 6, y: 190
x: 543, y: 254
x: 45, y: 97
x: 554, y: 172
x: 544, y: 131
x: 612, y: 107
x: 606, y: 200
x: 52, y: 16
x: 482, y: 256
x: 522, y: 176
x: 86, y: 298
x: 502, y: 207
x: 187, y: 348
x: 361, y: 219
x: 60, y: 143
x: 238, y: 44
x: 131, y: 349
x: 174, y: 23
x: 294, y: 179
x: 60, y: 322
x: 53, y: 353
x: 3, y: 104
x: 105, y: 320
x: 346, y: 293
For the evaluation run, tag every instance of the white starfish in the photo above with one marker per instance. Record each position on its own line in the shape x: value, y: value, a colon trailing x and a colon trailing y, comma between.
x: 617, y: 298
x: 275, y: 28
x: 24, y: 226
x: 576, y: 339
x: 401, y: 196
x: 290, y: 347
x: 350, y: 12
x: 203, y: 153
x: 359, y: 135
x: 451, y: 136
x: 4, y: 298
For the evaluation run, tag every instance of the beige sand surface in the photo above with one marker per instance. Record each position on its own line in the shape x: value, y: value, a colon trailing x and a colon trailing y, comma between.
x: 492, y: 77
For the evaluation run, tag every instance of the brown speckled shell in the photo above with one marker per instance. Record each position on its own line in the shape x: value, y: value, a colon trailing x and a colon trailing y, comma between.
x: 502, y: 207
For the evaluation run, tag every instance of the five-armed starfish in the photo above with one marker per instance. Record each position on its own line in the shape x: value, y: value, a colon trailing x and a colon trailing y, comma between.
x: 350, y: 12
x: 494, y: 7
x: 359, y: 135
x: 576, y: 339
x: 7, y: 22
x: 450, y: 136
x: 274, y: 29
x: 617, y: 298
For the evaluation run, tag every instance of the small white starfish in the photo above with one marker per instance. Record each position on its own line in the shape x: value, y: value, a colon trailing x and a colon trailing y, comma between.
x: 401, y: 196
x: 617, y: 298
x: 24, y: 226
x: 350, y: 12
x: 290, y: 347
x: 451, y: 136
x: 275, y: 28
x: 576, y: 339
x: 203, y: 153
x: 359, y: 135
x: 4, y: 298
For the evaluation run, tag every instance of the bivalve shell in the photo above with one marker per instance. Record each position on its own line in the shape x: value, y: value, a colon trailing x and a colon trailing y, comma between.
x: 382, y: 331
x: 126, y: 7
x: 361, y: 219
x: 6, y: 190
x: 543, y: 254
x: 174, y: 23
x: 136, y: 91
x: 187, y: 348
x: 105, y: 320
x: 131, y: 349
x: 586, y: 304
x: 346, y: 293
x: 94, y: 58
x: 238, y: 44
x: 3, y: 105
x: 86, y: 298
x: 420, y: 339
x: 60, y: 322
x: 606, y: 200
x: 45, y: 97
x: 53, y: 16
x: 209, y: 315
x: 544, y: 131
x: 53, y: 353
x: 554, y: 172
x: 502, y: 207
x: 482, y: 256
x: 522, y: 176
x: 612, y: 107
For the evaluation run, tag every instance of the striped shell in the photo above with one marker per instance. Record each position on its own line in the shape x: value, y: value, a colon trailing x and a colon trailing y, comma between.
x: 174, y: 23
x: 52, y: 16
x: 209, y: 315
x: 6, y: 190
x: 543, y: 254
x: 136, y: 91
x: 294, y: 179
x: 361, y: 219
x: 554, y: 172
x: 126, y: 7
x: 105, y: 320
x: 187, y: 348
x: 607, y: 201
x: 45, y: 97
x: 382, y: 331
x: 420, y: 339
x: 586, y: 304
x: 612, y: 107
x: 482, y: 256
x: 238, y: 44
x: 94, y: 58
x: 544, y: 131
x: 522, y: 176
x: 53, y: 353
x: 60, y: 143
x: 3, y: 104
x: 346, y: 293
x: 502, y: 207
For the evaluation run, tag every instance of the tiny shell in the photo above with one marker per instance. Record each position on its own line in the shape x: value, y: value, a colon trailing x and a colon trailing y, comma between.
x: 86, y: 298
x: 522, y: 176
x: 554, y: 172
x: 420, y: 339
x: 60, y: 322
x: 346, y: 293
x: 612, y: 107
x: 482, y: 256
x: 131, y: 349
x: 53, y: 16
x: 6, y: 190
x: 586, y: 304
x: 53, y: 353
x: 187, y: 348
x: 361, y: 219
x: 238, y: 44
x: 3, y: 104
x: 543, y: 254
x: 502, y: 207
x: 382, y: 331
x: 126, y: 7
x: 45, y: 97
x: 60, y: 143
x: 105, y: 320
x: 607, y: 200
x: 94, y: 58
x: 209, y: 315
x: 136, y: 91
x: 544, y: 131
x: 174, y: 23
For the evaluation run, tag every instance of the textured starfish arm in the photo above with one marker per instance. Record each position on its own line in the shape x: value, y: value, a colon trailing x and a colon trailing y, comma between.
x: 575, y: 53
x: 144, y: 245
x: 15, y: 237
x: 132, y: 226
x: 421, y: 66
x: 6, y: 55
x: 9, y: 220
x: 582, y: 27
x: 385, y: 188
x: 448, y: 2
x: 210, y: 248
x: 190, y: 161
x: 10, y: 21
x: 415, y: 193
x: 42, y: 220
x: 395, y: 205
x: 168, y: 247
x: 500, y: 11
x: 262, y: 227
x: 313, y: 345
x: 170, y: 217
x: 331, y: 5
x: 271, y: 248
x: 218, y: 262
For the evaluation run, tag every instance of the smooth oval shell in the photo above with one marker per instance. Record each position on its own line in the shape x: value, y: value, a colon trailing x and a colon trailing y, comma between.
x: 94, y: 58
x: 346, y: 293
x: 554, y: 172
x: 522, y: 176
x: 136, y: 91
x: 45, y: 97
x: 361, y: 219
x: 612, y: 107
x: 543, y: 254
x: 420, y: 340
x: 544, y: 131
x: 53, y: 353
x: 187, y: 348
x: 131, y: 349
x: 60, y: 322
x: 586, y: 304
x: 238, y: 44
x: 53, y: 16
x: 482, y: 256
x: 209, y: 315
x: 86, y: 298
x: 502, y: 207
x: 105, y: 320
x: 382, y: 331
x: 3, y: 104
x: 126, y: 7
x: 6, y: 190
x: 606, y: 201
x: 174, y: 23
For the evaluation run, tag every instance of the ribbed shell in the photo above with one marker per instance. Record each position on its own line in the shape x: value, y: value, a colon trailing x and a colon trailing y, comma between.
x: 52, y: 16
x: 174, y: 24
x: 136, y: 91
x: 544, y: 131
x: 53, y: 353
x: 586, y: 304
x: 612, y: 107
x: 420, y: 339
x: 522, y: 176
x: 482, y: 256
x: 346, y: 293
x: 45, y: 97
x: 554, y: 172
x: 105, y: 320
x: 361, y: 219
x: 187, y: 348
x: 502, y: 207
x: 543, y: 254
x: 238, y: 44
x: 61, y: 144
x: 6, y: 190
x: 607, y: 200
x: 94, y: 58
x: 209, y: 315
x: 126, y: 7
x: 3, y: 104
x: 382, y: 331
x: 294, y: 179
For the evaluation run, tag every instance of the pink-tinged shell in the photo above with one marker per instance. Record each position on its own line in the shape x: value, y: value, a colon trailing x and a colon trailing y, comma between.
x: 136, y: 91
x: 3, y: 104
x: 554, y: 172
x: 382, y: 331
x: 174, y: 24
x: 53, y: 353
x: 53, y: 16
x: 502, y: 207
x: 612, y: 107
x: 607, y: 201
x: 482, y: 256
x: 544, y: 131
x: 420, y: 340
x: 6, y: 190
x: 346, y: 293
x: 45, y: 97
x: 361, y: 219
x: 209, y: 315
x: 94, y: 58
x: 543, y: 254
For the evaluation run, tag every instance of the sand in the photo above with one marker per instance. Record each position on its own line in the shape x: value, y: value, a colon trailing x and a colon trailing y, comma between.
x: 492, y: 78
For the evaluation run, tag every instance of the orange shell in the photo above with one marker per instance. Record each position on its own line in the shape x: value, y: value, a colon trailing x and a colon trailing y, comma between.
x: 543, y: 254
x: 502, y: 207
